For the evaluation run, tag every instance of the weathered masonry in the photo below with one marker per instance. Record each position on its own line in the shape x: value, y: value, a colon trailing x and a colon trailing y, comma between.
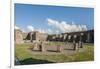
x: 36, y: 36
x: 18, y: 36
x: 84, y: 36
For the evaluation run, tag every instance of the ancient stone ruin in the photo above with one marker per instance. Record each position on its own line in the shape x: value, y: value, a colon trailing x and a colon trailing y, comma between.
x: 40, y: 40
x: 18, y: 36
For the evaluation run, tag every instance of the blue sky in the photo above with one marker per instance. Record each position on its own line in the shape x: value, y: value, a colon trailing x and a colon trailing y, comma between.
x: 37, y: 16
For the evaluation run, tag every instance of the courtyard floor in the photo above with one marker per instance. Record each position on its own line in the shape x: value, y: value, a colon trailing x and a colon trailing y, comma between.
x: 25, y: 56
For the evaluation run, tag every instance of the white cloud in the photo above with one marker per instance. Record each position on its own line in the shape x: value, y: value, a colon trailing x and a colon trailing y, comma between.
x: 16, y: 27
x: 49, y: 31
x: 41, y: 30
x: 56, y: 27
x: 63, y: 26
x: 30, y: 28
x: 84, y: 27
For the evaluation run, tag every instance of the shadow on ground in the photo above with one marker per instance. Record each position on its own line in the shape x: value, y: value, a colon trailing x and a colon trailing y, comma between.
x: 69, y: 49
x: 30, y: 61
x: 52, y: 51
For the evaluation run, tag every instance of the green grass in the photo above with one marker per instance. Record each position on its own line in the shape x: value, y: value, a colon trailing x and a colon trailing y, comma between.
x: 88, y: 55
x: 26, y: 57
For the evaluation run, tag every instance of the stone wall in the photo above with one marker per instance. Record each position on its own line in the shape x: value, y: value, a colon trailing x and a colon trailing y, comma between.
x: 35, y: 36
x: 40, y: 36
x: 85, y: 36
x: 18, y: 36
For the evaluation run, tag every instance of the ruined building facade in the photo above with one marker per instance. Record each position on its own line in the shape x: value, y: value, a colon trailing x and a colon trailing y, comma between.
x: 85, y: 36
x: 36, y: 36
x: 18, y: 36
x: 21, y: 37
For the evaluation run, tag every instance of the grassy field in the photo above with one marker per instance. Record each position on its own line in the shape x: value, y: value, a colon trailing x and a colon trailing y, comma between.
x: 26, y: 57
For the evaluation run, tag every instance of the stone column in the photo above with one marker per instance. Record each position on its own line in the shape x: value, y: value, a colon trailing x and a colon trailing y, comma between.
x: 88, y: 37
x: 64, y: 38
x: 69, y: 38
x: 75, y: 44
x: 30, y: 36
x: 43, y: 47
x: 40, y: 47
x: 60, y: 37
x: 35, y: 46
x: 59, y: 48
x: 80, y: 44
x: 81, y: 41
